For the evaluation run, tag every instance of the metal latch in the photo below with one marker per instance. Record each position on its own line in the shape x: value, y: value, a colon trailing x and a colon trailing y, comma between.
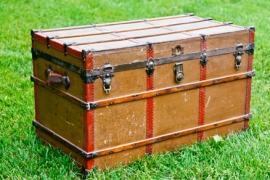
x: 150, y: 67
x: 238, y: 55
x: 204, y: 58
x: 106, y: 76
x: 179, y: 73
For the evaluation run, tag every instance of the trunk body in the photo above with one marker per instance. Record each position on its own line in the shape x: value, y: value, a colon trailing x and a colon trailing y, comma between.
x: 111, y: 93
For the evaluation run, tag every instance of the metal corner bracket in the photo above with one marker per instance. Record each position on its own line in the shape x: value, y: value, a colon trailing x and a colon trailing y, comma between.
x: 89, y: 155
x: 251, y: 74
x: 248, y: 116
x: 250, y: 49
x: 89, y: 106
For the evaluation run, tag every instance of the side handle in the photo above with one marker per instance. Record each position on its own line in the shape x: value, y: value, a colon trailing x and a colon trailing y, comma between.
x: 53, y: 77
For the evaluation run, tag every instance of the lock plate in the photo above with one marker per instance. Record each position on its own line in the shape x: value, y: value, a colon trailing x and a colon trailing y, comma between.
x: 179, y: 72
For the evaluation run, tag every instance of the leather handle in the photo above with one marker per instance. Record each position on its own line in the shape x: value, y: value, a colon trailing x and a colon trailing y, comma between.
x: 53, y: 77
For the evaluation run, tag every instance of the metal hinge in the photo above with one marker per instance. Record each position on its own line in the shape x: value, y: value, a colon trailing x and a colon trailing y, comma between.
x: 150, y: 46
x: 66, y: 45
x: 48, y: 38
x: 203, y: 37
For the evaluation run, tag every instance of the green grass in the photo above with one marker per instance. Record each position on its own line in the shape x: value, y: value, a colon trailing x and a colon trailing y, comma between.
x: 22, y: 155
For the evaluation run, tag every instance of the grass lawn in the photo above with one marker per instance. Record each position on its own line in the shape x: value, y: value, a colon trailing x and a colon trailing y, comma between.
x: 22, y: 155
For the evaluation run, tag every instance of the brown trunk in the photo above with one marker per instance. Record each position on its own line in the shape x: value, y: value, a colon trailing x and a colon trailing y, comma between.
x: 111, y: 93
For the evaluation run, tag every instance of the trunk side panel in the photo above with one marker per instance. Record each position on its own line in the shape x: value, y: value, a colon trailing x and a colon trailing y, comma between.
x: 76, y: 84
x: 61, y: 116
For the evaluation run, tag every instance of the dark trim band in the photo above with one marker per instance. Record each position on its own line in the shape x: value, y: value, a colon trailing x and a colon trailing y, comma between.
x: 89, y: 76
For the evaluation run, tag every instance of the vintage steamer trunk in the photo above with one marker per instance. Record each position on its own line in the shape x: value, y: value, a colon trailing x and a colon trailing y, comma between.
x: 111, y: 93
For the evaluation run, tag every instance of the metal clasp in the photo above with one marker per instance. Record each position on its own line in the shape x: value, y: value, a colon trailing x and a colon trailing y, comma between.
x: 204, y: 58
x: 238, y: 55
x: 107, y: 77
x: 150, y: 67
x: 179, y: 72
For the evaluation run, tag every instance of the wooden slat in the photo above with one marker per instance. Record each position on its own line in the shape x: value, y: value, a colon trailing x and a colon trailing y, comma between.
x: 116, y: 23
x: 144, y: 36
x: 128, y: 30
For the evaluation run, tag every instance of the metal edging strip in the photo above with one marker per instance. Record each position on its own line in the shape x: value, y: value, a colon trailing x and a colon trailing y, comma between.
x: 89, y: 76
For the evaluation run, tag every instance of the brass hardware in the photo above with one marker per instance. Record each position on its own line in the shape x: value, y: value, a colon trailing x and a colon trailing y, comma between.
x: 204, y: 58
x: 177, y: 50
x: 150, y: 67
x: 106, y: 76
x: 179, y: 73
x: 238, y: 55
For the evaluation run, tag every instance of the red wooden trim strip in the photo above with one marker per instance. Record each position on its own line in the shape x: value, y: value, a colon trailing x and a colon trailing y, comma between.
x: 89, y: 115
x: 202, y: 90
x: 145, y: 94
x: 249, y: 80
x: 58, y: 45
x: 150, y: 102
